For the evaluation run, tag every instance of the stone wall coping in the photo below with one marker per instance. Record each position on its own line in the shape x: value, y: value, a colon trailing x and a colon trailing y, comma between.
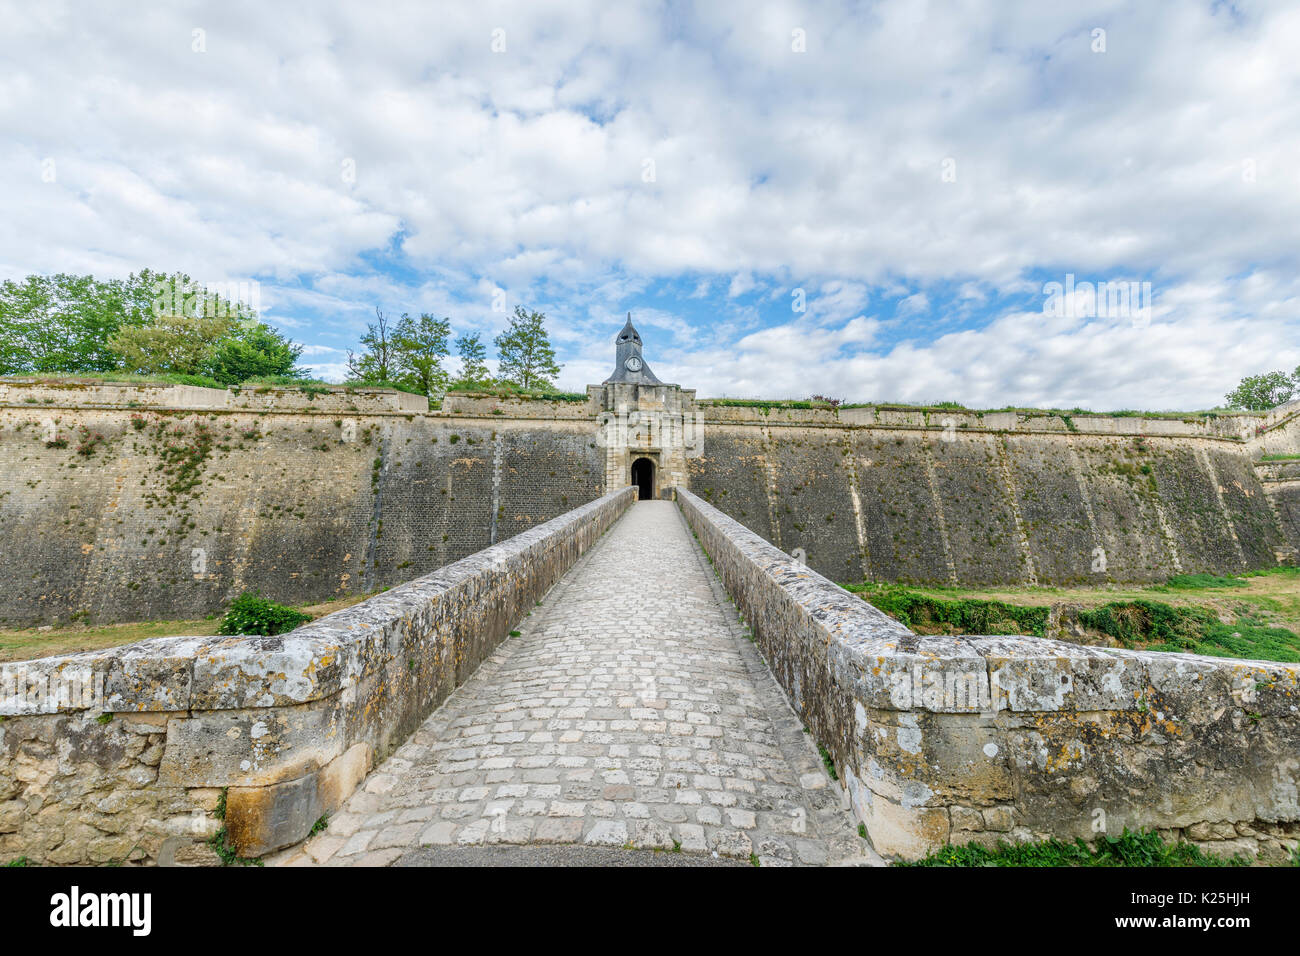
x: 88, y: 393
x: 975, y: 430
x: 879, y: 657
x: 314, y: 661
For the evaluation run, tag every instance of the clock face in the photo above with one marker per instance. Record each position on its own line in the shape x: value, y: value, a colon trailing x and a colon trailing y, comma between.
x: 633, y: 364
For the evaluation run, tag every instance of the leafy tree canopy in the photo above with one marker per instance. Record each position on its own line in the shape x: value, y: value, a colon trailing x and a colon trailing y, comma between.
x: 148, y: 323
x: 254, y: 351
x: 473, y: 362
x: 1262, y: 392
x: 62, y: 323
x: 525, y: 353
x: 170, y: 344
x: 421, y: 346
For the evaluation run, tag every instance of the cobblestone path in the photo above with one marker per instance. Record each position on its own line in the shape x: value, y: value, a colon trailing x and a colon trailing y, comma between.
x: 631, y: 712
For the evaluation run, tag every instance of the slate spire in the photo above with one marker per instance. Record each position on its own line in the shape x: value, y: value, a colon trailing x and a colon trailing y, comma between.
x: 629, y: 365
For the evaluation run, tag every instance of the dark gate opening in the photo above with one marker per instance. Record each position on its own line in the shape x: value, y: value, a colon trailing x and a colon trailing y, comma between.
x: 643, y: 476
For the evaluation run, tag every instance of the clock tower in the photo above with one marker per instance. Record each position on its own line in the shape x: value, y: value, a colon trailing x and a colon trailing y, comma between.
x: 629, y: 366
x: 647, y: 428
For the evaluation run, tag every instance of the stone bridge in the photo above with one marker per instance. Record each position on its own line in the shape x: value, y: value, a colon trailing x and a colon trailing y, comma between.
x: 630, y: 711
x: 631, y: 677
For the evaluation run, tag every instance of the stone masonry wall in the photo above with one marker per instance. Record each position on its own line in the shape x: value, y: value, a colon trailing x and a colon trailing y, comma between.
x: 946, y: 505
x: 129, y: 502
x: 983, y: 738
x: 126, y: 755
x: 121, y: 513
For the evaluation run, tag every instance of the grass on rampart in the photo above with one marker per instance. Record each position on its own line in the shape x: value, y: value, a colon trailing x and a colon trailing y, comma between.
x: 770, y: 403
x: 308, y: 385
x: 1253, y: 617
x: 534, y: 394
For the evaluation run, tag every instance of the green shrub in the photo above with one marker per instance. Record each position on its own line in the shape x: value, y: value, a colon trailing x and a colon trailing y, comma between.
x: 250, y: 613
x: 380, y: 383
x: 1279, y: 570
x: 1147, y: 622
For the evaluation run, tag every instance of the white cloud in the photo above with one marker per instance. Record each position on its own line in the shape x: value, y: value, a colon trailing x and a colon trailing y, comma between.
x: 1021, y: 358
x: 916, y: 304
x: 353, y: 156
x: 741, y: 283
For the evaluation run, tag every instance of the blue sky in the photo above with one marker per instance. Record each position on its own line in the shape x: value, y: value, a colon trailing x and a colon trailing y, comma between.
x: 919, y: 171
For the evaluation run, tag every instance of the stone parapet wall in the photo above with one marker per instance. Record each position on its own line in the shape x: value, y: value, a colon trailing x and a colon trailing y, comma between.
x: 488, y: 404
x: 256, y: 398
x: 1280, y: 471
x: 1234, y: 426
x: 983, y: 738
x: 1282, y: 437
x: 1281, y: 413
x: 127, y: 755
x: 356, y: 401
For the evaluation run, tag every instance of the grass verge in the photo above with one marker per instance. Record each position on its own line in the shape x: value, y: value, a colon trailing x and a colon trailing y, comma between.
x: 28, y: 643
x: 1129, y: 849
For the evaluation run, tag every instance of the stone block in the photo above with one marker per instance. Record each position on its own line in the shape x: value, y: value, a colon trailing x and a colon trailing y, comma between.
x: 342, y: 775
x: 249, y: 748
x: 966, y: 818
x: 262, y: 819
x: 906, y: 832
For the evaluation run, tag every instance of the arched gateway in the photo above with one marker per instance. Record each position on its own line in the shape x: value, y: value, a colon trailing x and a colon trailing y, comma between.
x: 643, y: 476
x: 648, y: 428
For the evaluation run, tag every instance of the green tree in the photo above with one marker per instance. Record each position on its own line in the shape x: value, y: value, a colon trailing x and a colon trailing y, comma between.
x: 473, y: 362
x: 148, y: 323
x: 60, y: 324
x: 145, y: 294
x: 254, y: 351
x: 525, y: 353
x: 153, y: 294
x: 171, y: 344
x: 378, y: 363
x: 1262, y: 392
x: 421, y: 345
